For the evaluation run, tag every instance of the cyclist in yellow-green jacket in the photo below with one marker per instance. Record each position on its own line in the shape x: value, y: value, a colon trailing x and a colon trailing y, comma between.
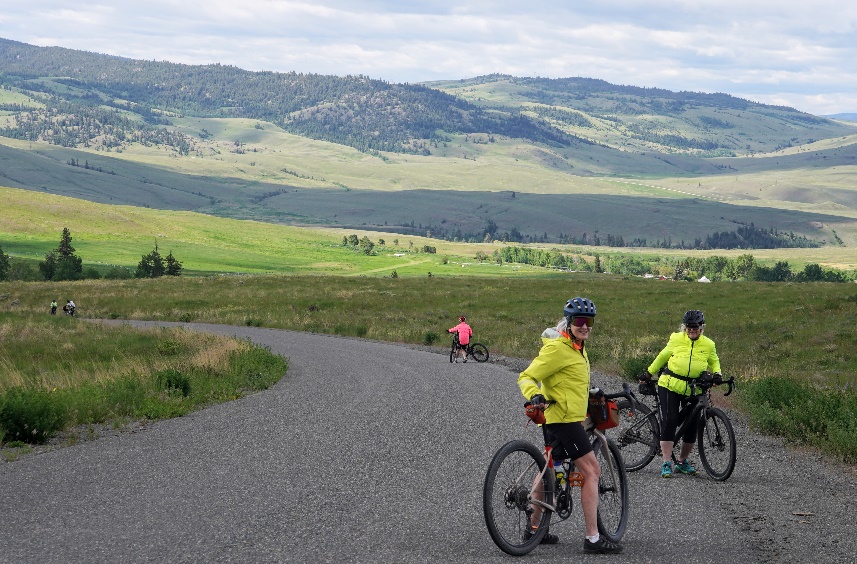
x: 559, y: 379
x: 687, y: 356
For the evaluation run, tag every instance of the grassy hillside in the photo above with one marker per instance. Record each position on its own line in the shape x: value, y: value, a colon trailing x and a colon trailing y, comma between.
x: 633, y: 163
x: 119, y: 235
x: 287, y: 179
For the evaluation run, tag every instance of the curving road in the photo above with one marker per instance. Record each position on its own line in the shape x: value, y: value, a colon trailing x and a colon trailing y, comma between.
x: 375, y: 452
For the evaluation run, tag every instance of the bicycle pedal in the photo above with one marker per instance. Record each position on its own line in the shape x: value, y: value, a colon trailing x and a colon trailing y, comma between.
x: 575, y: 480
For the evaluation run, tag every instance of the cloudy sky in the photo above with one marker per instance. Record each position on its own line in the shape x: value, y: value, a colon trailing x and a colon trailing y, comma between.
x: 790, y: 52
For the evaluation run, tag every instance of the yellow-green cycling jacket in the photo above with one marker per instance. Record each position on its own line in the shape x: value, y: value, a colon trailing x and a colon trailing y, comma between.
x: 563, y: 373
x: 685, y: 357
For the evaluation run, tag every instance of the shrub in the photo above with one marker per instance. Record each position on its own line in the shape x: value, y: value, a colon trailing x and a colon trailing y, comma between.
x: 635, y: 365
x: 170, y: 380
x: 429, y: 338
x: 32, y: 416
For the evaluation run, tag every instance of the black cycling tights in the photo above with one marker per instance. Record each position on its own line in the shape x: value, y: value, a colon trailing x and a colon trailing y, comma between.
x: 671, y: 407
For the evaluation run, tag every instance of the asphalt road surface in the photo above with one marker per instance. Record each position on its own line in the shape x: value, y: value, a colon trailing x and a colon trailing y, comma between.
x: 375, y: 452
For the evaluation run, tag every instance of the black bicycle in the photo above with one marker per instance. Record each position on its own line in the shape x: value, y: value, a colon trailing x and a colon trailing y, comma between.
x: 476, y: 351
x: 521, y: 490
x: 638, y: 434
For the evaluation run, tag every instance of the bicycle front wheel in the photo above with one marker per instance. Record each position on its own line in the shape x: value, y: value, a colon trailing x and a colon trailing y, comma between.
x: 513, y: 476
x: 612, y: 491
x: 716, y: 441
x: 638, y: 435
x: 479, y: 352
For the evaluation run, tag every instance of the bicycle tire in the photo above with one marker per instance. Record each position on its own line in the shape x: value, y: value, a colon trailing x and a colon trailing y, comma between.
x: 452, y: 355
x: 638, y: 435
x: 479, y: 352
x: 505, y: 505
x: 716, y: 441
x: 613, y: 511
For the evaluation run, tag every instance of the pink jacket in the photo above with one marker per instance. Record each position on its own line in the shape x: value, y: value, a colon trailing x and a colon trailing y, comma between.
x: 464, y: 332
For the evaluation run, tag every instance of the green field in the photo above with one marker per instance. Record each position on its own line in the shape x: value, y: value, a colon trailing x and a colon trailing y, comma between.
x: 790, y: 346
x: 282, y: 178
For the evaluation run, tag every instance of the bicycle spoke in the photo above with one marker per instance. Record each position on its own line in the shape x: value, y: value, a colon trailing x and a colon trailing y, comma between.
x: 637, y: 435
x: 508, y: 513
x: 612, y: 492
x: 479, y: 352
x: 716, y: 440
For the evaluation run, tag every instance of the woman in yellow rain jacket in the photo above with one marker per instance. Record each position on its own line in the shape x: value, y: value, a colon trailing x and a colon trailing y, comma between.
x: 687, y: 356
x: 559, y: 379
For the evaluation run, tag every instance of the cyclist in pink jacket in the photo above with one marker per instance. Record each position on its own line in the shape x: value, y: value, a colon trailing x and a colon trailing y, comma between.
x: 464, y: 333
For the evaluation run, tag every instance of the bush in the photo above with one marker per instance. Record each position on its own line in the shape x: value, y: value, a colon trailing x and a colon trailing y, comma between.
x: 32, y: 416
x: 119, y: 273
x: 635, y: 365
x: 170, y: 380
x: 91, y: 273
x: 429, y: 338
x: 805, y: 413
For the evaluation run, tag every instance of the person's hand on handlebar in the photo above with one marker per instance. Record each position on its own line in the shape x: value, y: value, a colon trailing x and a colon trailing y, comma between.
x: 718, y: 378
x: 644, y: 377
x: 538, y: 400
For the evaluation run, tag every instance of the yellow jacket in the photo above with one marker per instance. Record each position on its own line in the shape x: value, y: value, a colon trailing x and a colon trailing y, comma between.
x: 563, y: 373
x: 687, y: 358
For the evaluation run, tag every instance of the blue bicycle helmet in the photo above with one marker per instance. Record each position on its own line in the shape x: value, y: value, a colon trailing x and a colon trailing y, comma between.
x: 579, y: 307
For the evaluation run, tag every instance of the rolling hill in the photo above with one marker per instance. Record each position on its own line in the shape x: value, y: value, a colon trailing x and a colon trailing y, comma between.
x: 521, y: 159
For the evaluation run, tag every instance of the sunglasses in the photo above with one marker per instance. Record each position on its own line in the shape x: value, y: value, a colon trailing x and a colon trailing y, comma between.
x: 693, y: 327
x: 581, y: 321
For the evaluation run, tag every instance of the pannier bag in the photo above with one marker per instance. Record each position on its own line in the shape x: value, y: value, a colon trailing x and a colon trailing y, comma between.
x: 604, y: 413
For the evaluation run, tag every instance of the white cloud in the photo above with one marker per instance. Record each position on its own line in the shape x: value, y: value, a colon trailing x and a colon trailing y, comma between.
x: 798, y: 53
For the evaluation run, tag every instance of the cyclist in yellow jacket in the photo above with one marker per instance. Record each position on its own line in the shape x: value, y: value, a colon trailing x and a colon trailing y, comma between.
x: 559, y: 378
x: 687, y: 356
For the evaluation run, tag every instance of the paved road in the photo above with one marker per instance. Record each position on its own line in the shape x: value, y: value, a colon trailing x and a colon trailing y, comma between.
x: 373, y: 452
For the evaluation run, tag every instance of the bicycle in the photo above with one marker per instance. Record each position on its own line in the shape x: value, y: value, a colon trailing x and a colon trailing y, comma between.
x: 476, y: 351
x: 638, y: 434
x: 521, y: 487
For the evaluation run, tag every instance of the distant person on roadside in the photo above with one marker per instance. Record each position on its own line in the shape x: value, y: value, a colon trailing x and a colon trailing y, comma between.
x: 69, y: 308
x: 687, y: 356
x: 463, y: 332
x: 53, y: 307
x: 558, y: 379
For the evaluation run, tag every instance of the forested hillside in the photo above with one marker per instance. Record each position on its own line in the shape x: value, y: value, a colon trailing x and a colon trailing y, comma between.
x: 370, y: 115
x: 630, y: 117
x: 77, y: 98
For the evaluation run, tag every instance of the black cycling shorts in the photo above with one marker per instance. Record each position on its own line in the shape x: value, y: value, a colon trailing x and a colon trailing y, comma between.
x: 570, y: 440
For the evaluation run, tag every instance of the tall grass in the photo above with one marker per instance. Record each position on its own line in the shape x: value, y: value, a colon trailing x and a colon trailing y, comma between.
x: 787, y: 332
x: 58, y: 371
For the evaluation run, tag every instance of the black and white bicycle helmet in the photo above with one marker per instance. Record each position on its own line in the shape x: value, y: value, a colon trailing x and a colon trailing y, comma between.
x: 579, y: 307
x: 693, y: 317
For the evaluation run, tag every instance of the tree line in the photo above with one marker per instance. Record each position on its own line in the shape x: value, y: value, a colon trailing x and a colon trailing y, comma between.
x: 63, y: 263
x: 715, y: 268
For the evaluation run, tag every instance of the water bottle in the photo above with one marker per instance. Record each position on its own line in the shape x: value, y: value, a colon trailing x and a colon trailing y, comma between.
x: 560, y: 474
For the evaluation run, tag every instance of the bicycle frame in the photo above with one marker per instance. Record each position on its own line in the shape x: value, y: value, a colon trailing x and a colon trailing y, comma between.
x: 715, y: 437
x: 687, y: 414
x: 573, y: 479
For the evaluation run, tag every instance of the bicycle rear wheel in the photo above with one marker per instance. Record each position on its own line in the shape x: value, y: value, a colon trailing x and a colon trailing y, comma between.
x: 505, y: 497
x: 716, y: 443
x: 479, y: 352
x: 638, y: 435
x: 612, y: 492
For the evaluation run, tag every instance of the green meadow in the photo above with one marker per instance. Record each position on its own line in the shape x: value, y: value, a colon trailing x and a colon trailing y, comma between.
x: 789, y: 345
